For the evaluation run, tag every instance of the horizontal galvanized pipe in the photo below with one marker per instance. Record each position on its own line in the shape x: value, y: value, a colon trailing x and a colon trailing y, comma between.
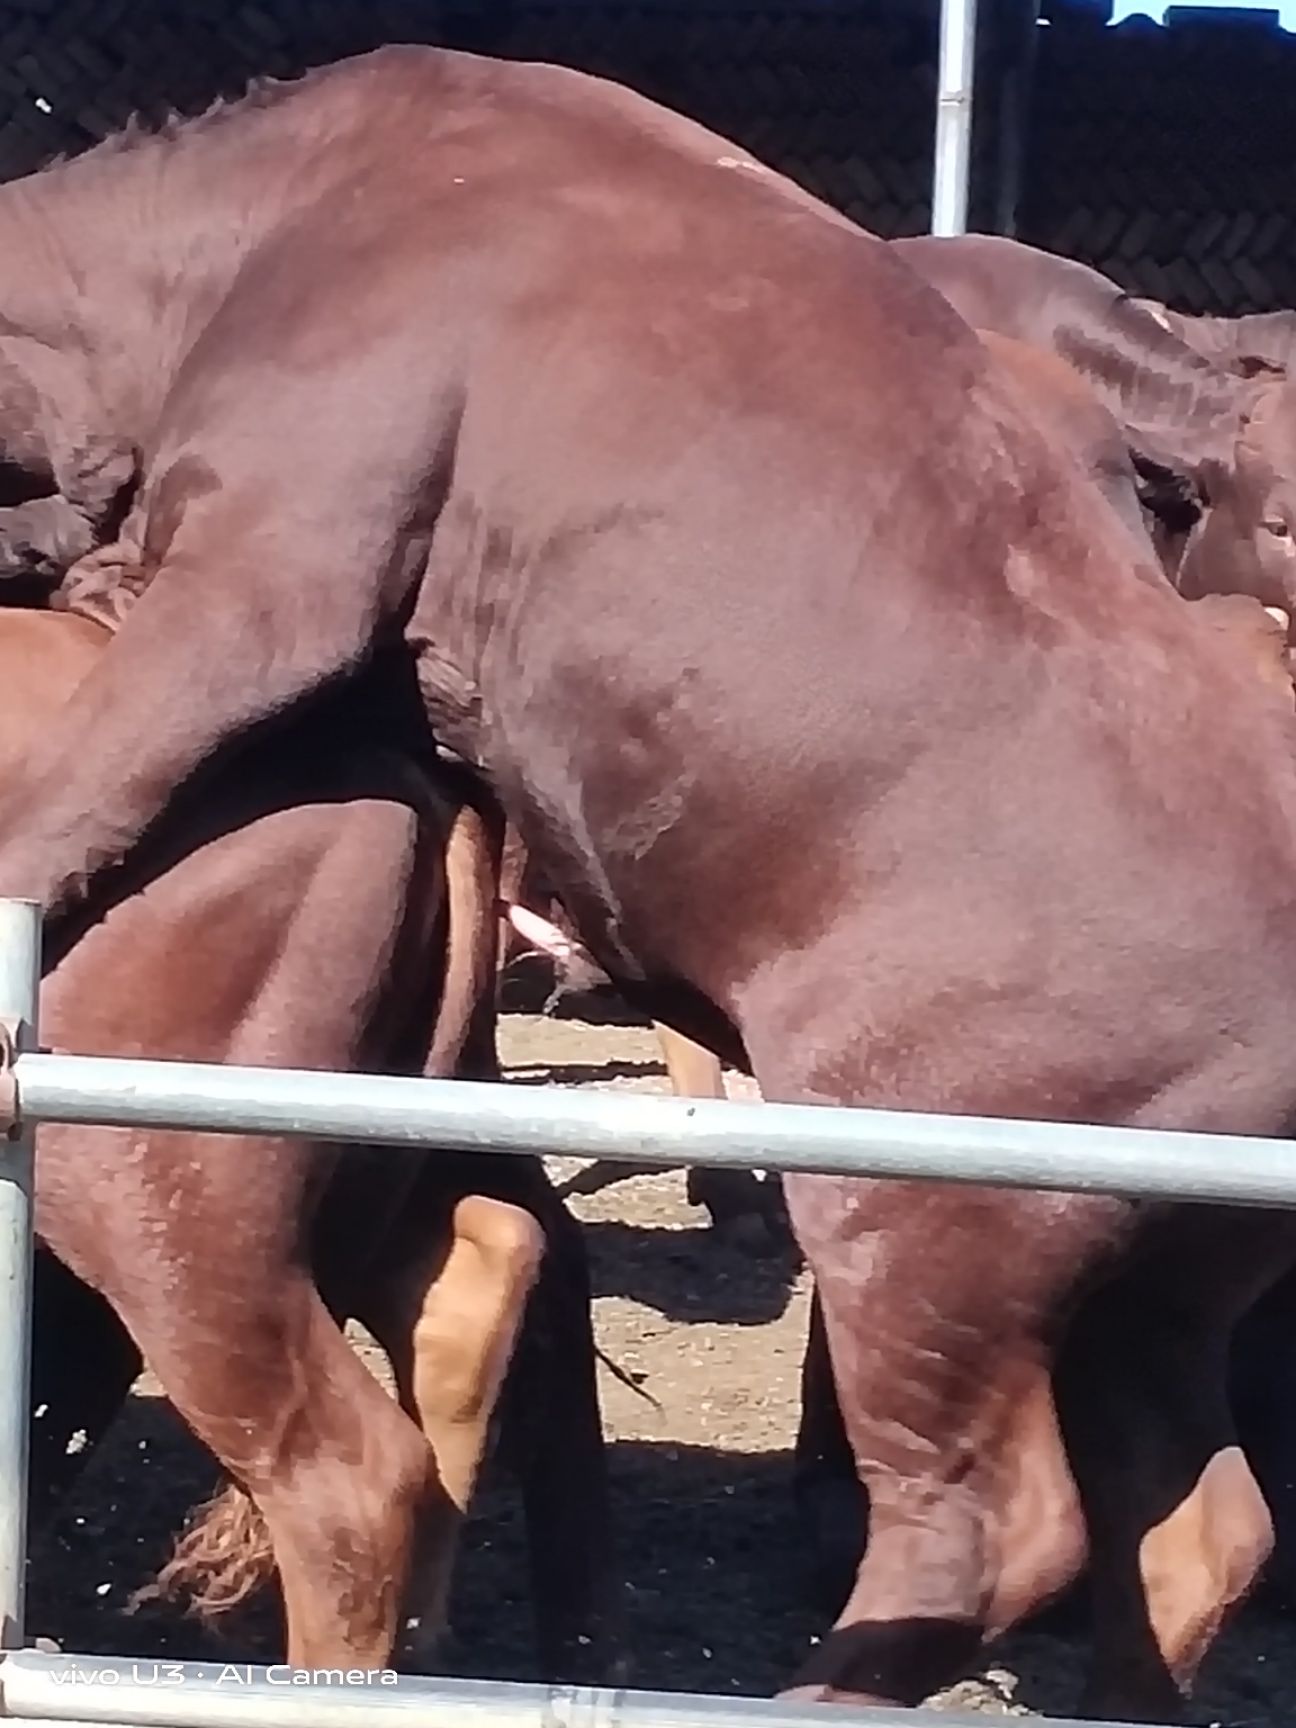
x: 72, y: 1690
x: 630, y: 1128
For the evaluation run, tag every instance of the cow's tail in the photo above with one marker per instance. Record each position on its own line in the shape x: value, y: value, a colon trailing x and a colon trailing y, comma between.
x: 224, y: 1557
x: 463, y: 1038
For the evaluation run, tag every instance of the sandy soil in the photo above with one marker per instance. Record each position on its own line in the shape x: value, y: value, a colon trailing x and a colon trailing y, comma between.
x: 709, y: 1550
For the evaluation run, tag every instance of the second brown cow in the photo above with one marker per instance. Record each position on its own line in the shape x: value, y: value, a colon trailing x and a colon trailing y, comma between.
x: 335, y: 912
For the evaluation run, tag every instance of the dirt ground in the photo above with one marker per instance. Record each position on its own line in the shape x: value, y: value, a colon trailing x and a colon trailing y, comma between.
x: 708, y: 1547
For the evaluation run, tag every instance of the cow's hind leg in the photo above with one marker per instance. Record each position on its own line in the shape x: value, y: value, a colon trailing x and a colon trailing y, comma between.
x: 448, y: 1315
x: 1178, y: 1527
x: 313, y: 1444
x: 940, y: 1354
x: 551, y: 1436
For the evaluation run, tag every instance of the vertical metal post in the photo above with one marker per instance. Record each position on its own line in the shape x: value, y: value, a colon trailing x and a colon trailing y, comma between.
x: 20, y: 971
x: 1018, y: 36
x: 953, y: 149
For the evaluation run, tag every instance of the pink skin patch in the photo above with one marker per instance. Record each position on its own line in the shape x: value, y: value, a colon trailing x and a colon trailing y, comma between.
x: 547, y: 937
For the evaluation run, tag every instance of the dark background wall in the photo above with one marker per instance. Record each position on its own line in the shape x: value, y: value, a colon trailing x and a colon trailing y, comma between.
x: 1166, y: 157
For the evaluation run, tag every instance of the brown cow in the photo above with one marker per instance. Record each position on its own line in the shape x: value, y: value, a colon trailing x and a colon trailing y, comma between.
x: 827, y: 695
x: 1235, y: 437
x: 1155, y: 504
x: 336, y: 914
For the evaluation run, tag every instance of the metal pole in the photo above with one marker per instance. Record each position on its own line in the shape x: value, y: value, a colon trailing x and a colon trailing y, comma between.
x: 1018, y: 37
x: 20, y: 970
x: 475, y: 1116
x: 152, y: 1694
x: 953, y: 147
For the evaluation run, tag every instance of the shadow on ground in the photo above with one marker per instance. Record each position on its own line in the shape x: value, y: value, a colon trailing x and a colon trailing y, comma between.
x: 585, y: 1074
x: 709, y: 1558
x: 689, y: 1275
x: 706, y: 1555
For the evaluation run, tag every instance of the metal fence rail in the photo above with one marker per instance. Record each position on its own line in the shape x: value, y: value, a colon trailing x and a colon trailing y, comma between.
x: 144, y: 1693
x: 459, y: 1115
x: 474, y: 1116
x: 150, y: 1694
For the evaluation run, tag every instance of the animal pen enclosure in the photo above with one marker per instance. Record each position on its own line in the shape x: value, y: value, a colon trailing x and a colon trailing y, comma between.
x: 1159, y: 156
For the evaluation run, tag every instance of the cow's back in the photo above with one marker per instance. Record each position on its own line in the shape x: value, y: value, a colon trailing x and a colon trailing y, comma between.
x: 783, y: 511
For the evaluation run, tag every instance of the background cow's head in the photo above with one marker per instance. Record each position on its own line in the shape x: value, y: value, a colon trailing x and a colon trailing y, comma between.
x: 1246, y: 542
